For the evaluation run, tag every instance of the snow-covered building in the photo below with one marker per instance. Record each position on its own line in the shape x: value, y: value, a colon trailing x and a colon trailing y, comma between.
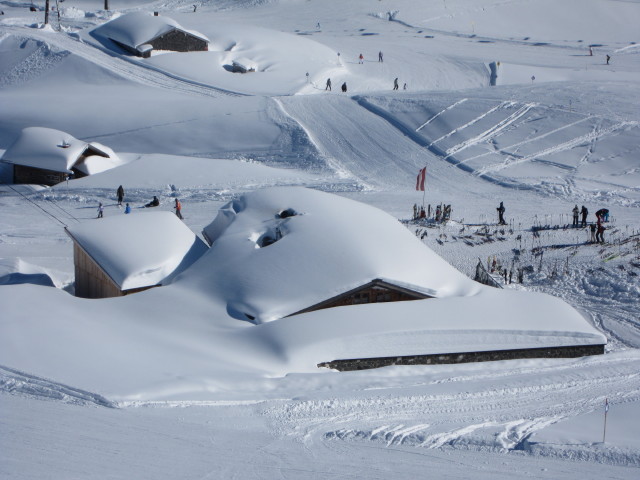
x: 281, y: 257
x: 140, y: 33
x: 46, y: 156
x: 116, y: 256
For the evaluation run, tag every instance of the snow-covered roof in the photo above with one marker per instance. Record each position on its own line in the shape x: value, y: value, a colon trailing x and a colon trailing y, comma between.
x: 138, y: 28
x: 54, y: 150
x: 330, y: 246
x: 139, y: 250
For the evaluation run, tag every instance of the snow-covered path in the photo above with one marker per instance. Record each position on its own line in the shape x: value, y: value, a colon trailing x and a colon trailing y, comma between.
x: 359, y: 143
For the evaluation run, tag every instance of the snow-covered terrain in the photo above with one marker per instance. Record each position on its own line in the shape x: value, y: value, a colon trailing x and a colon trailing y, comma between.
x: 510, y: 100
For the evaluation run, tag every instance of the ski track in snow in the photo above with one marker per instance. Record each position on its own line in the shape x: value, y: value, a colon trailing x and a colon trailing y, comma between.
x: 500, y: 414
x: 475, y: 120
x: 492, y: 132
x: 440, y: 113
x: 568, y: 145
x: 127, y: 68
x: 21, y: 383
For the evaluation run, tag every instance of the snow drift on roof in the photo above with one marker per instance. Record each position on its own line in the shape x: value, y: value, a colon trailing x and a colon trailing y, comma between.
x: 269, y: 267
x: 137, y: 28
x: 55, y: 150
x: 139, y: 250
x: 45, y: 148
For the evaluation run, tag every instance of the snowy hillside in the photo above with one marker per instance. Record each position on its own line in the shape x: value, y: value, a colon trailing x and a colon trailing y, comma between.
x: 530, y: 102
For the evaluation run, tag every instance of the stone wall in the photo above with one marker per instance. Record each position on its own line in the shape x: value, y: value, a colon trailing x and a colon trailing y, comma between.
x: 466, y: 357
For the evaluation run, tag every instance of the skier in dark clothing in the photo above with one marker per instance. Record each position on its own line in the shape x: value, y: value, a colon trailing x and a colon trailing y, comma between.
x: 501, y: 211
x: 395, y: 83
x: 153, y: 203
x: 380, y: 56
x: 100, y: 210
x: 328, y: 87
x: 344, y: 87
x: 584, y: 212
x: 120, y: 194
x: 608, y: 58
x: 604, y: 213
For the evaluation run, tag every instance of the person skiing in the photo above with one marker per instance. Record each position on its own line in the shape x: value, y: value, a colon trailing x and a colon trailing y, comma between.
x: 404, y: 87
x: 380, y: 56
x: 100, y: 210
x: 575, y: 212
x: 344, y: 87
x: 153, y: 203
x: 178, y: 208
x: 415, y: 211
x: 584, y: 213
x: 361, y: 59
x: 328, y: 87
x: 501, y: 211
x: 120, y: 195
x: 608, y: 58
x: 127, y: 209
x: 395, y: 83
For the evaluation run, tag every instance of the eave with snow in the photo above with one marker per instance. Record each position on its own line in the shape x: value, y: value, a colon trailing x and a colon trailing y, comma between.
x: 286, y: 257
x: 46, y: 156
x: 119, y: 255
x: 140, y: 33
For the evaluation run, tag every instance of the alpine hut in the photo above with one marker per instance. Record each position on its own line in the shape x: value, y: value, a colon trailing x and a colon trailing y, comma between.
x: 46, y: 156
x: 124, y: 254
x: 140, y: 33
x: 290, y: 259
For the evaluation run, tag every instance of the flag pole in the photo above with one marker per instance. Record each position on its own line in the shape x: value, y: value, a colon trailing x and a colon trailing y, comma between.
x: 606, y: 409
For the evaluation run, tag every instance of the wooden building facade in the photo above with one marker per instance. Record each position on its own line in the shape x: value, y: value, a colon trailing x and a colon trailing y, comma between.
x: 376, y: 291
x: 91, y: 281
x: 26, y: 174
x: 175, y: 40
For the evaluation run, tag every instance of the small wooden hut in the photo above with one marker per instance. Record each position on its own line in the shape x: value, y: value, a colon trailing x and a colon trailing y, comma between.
x: 124, y: 254
x: 140, y: 33
x: 45, y: 156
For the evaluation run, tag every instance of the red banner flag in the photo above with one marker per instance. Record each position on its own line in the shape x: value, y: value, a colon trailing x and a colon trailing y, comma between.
x: 421, y: 178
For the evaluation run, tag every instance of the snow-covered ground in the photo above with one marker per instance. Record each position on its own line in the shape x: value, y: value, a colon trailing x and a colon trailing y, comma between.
x: 165, y: 384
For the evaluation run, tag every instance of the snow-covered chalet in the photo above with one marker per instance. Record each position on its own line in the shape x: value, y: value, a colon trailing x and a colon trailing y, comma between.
x: 46, y: 156
x: 123, y: 254
x: 140, y: 33
x: 289, y: 256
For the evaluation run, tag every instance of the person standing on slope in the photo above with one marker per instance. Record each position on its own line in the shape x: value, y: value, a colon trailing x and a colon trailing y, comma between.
x: 178, y: 207
x: 361, y: 59
x: 584, y: 213
x: 575, y: 212
x: 100, y: 210
x: 344, y: 87
x: 501, y: 211
x: 395, y: 83
x: 120, y: 195
x: 328, y: 87
x: 380, y: 56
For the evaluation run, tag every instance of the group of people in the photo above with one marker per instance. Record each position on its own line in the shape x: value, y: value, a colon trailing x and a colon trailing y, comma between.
x: 442, y: 212
x: 328, y: 85
x: 576, y: 214
x: 155, y: 202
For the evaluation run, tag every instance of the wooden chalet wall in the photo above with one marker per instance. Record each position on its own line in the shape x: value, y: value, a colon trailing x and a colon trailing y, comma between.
x: 91, y: 280
x: 376, y: 291
x: 179, y: 41
x: 37, y: 176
